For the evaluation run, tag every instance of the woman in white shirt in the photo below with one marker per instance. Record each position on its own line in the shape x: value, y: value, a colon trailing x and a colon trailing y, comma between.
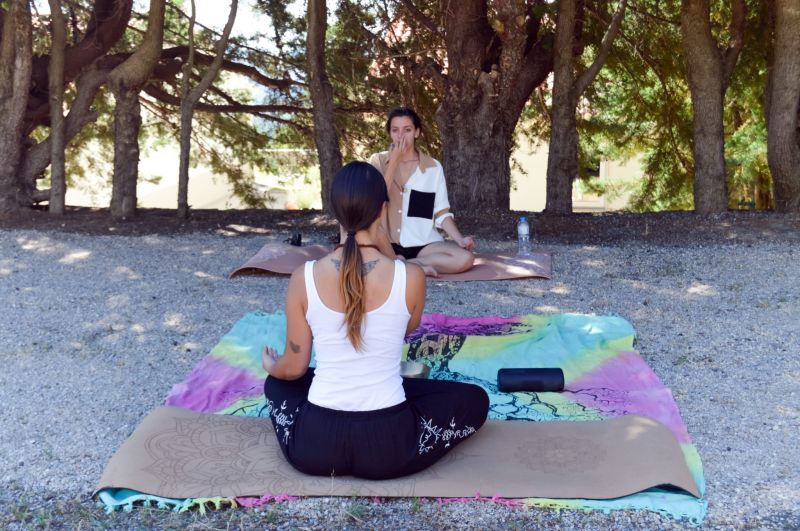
x: 354, y: 414
x: 418, y: 203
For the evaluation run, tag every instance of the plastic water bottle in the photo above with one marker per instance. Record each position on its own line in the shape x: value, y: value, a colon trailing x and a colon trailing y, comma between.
x: 524, y: 237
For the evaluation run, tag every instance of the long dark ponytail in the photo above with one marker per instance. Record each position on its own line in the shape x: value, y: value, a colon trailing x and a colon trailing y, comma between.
x: 357, y: 196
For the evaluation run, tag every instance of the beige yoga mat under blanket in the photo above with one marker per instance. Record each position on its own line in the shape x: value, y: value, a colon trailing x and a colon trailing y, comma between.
x: 178, y: 453
x: 282, y: 258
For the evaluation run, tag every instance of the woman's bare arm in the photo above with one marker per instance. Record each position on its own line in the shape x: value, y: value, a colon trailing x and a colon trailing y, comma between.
x: 297, y: 352
x: 415, y: 295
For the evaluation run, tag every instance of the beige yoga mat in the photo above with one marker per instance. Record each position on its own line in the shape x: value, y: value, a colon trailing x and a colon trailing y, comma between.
x: 178, y: 453
x: 282, y: 258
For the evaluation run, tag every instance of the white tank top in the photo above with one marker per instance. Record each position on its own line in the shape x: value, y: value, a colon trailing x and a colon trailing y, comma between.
x: 346, y: 379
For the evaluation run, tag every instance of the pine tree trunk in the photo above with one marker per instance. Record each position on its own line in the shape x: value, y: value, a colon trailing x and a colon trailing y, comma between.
x: 705, y: 76
x: 187, y: 112
x: 58, y: 185
x: 489, y: 79
x: 189, y: 99
x: 568, y: 86
x: 127, y: 123
x: 126, y: 80
x: 562, y: 157
x: 476, y: 161
x: 325, y: 135
x: 15, y: 77
x: 783, y: 147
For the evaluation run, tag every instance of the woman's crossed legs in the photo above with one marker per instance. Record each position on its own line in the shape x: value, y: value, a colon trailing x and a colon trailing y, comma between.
x: 381, y: 444
x: 444, y: 257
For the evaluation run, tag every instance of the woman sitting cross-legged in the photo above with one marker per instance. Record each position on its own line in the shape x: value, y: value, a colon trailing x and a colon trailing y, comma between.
x: 418, y: 203
x: 354, y: 414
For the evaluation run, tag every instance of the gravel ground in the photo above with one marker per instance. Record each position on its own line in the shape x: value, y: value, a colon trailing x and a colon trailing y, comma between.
x: 96, y: 329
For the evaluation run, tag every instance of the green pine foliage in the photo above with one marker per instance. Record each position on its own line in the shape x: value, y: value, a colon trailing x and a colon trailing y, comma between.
x: 639, y: 104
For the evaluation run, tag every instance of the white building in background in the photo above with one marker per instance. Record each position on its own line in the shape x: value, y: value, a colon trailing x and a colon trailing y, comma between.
x: 158, y: 187
x: 528, y: 190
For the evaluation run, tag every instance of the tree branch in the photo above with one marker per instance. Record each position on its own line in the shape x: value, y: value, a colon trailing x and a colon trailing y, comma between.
x: 134, y: 72
x: 37, y: 158
x: 427, y: 65
x: 231, y: 66
x: 165, y: 97
x: 237, y: 45
x: 421, y: 17
x: 736, y: 29
x: 212, y: 71
x: 106, y: 27
x: 588, y: 75
x: 188, y: 64
x: 672, y: 22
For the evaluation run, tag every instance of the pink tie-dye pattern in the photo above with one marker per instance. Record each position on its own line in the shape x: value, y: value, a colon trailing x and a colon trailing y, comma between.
x: 214, y: 385
x: 629, y: 375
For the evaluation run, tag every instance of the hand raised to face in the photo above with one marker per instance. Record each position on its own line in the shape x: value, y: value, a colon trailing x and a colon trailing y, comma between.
x: 403, y: 135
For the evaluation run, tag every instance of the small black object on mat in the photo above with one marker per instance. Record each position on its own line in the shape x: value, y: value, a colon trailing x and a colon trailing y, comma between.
x: 530, y: 379
x: 296, y: 240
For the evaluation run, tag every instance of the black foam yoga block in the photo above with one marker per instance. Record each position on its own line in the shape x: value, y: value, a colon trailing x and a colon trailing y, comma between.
x: 531, y: 379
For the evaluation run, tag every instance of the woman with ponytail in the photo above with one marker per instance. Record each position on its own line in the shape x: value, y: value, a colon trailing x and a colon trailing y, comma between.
x: 354, y: 414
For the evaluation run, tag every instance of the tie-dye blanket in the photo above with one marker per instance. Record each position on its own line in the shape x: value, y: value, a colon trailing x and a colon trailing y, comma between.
x: 604, y: 378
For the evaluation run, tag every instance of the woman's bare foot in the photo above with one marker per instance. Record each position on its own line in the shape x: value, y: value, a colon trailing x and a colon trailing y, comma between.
x: 429, y: 270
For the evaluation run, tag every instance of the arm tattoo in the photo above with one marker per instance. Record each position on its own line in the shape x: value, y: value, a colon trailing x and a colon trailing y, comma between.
x: 294, y: 346
x: 365, y: 268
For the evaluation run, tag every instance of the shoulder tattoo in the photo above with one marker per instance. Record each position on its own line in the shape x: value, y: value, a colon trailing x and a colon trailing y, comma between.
x: 365, y: 267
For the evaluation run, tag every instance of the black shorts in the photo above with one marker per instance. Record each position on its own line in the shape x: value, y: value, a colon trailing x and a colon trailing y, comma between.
x: 408, y: 252
x: 379, y: 444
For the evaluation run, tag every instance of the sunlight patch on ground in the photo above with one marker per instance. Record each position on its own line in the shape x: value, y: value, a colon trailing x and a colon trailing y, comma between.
x: 35, y: 244
x: 74, y: 257
x: 203, y: 274
x: 126, y: 271
x: 702, y: 289
x: 560, y: 290
x: 599, y: 264
x: 223, y: 232
x: 548, y: 309
x: 189, y: 346
x: 176, y: 321
x: 247, y: 229
x: 156, y: 241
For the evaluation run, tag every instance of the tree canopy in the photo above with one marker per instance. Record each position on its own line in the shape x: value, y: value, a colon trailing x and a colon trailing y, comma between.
x: 480, y: 75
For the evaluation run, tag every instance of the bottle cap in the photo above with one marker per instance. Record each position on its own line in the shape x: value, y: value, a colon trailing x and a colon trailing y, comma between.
x: 522, y: 218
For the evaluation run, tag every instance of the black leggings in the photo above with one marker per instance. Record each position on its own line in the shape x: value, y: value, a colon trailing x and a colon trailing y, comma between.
x: 379, y: 444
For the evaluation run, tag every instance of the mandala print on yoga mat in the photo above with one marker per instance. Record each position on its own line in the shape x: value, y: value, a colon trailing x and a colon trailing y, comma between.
x: 604, y: 378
